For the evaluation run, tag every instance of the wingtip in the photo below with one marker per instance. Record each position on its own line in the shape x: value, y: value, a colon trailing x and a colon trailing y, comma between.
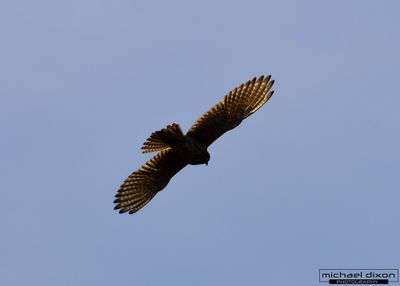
x: 270, y: 94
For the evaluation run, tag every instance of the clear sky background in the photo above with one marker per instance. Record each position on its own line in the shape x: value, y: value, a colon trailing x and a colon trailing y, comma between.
x: 310, y: 181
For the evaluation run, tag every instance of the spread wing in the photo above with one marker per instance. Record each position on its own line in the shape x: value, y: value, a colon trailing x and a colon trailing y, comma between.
x: 237, y: 105
x: 142, y: 185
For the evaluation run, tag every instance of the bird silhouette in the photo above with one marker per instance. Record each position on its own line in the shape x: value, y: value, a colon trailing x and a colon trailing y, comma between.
x: 176, y: 150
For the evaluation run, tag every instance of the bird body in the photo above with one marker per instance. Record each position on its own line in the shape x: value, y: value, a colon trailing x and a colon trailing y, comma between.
x: 192, y: 151
x: 176, y: 150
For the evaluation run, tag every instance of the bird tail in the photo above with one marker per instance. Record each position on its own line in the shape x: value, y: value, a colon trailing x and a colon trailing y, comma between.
x: 163, y: 139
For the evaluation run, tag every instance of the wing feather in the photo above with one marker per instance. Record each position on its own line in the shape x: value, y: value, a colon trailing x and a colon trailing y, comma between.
x: 227, y: 114
x: 142, y: 185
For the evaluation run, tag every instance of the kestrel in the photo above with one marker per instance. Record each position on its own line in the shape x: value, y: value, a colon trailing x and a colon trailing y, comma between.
x: 177, y: 150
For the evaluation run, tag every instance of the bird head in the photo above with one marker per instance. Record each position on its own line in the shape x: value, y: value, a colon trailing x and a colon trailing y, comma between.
x: 208, y: 158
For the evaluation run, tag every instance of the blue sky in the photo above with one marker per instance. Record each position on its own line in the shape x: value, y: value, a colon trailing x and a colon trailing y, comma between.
x: 310, y: 181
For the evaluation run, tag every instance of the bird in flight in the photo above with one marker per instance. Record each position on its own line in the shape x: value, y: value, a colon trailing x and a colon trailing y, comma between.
x: 176, y: 150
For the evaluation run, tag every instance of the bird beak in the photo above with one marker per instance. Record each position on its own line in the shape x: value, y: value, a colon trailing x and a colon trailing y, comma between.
x: 206, y: 163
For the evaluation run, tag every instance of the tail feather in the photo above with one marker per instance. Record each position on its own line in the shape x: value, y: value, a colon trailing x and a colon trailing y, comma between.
x: 163, y: 139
